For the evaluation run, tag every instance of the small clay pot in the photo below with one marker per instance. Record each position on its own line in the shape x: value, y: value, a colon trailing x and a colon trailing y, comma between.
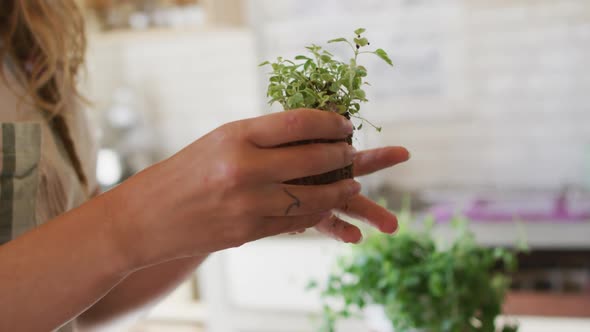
x: 325, y: 178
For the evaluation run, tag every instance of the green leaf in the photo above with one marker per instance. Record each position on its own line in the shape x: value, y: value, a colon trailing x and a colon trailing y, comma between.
x: 361, y: 41
x: 435, y: 284
x: 302, y: 57
x: 310, y: 99
x: 313, y: 48
x: 361, y: 72
x: 334, y: 87
x: 359, y: 94
x: 312, y: 284
x: 360, y: 127
x: 411, y: 281
x: 295, y: 100
x: 337, y: 40
x: 327, y: 77
x: 264, y: 64
x: 383, y: 55
x: 359, y: 31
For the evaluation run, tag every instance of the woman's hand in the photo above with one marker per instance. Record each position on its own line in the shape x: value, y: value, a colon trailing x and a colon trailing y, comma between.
x: 226, y: 189
x: 361, y: 207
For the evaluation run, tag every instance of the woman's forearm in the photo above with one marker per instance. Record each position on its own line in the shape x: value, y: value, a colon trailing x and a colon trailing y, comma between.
x: 222, y: 191
x: 53, y: 273
x: 138, y: 291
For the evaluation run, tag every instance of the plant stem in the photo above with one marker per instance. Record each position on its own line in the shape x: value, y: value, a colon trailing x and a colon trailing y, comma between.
x: 351, y: 46
x: 364, y: 120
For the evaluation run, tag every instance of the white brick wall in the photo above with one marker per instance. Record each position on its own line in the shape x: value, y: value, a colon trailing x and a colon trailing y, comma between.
x: 187, y: 82
x: 486, y: 93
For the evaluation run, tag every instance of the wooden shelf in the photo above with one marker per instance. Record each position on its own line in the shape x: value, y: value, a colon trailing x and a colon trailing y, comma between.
x: 125, y: 35
x: 547, y: 304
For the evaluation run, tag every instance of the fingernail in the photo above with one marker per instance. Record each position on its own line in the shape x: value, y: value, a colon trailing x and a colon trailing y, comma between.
x: 355, y: 188
x: 351, y: 152
x: 326, y: 214
x: 391, y: 227
x: 391, y: 231
x: 359, y: 240
x: 347, y: 125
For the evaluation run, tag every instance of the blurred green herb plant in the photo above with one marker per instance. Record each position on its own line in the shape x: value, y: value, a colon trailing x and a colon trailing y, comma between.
x: 422, y: 285
x: 320, y: 81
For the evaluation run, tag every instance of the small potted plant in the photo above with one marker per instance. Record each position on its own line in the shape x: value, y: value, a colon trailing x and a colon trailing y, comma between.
x: 421, y: 285
x: 320, y: 81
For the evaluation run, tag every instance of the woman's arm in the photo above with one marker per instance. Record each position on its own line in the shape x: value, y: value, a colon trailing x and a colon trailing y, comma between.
x: 138, y: 292
x: 53, y: 273
x: 222, y: 191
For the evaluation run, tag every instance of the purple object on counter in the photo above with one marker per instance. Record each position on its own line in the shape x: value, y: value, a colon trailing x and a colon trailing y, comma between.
x: 484, y: 210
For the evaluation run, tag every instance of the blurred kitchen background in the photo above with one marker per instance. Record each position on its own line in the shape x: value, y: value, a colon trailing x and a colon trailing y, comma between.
x: 492, y: 97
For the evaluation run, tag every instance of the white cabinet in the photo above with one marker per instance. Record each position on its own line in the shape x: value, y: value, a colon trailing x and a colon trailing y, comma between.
x: 260, y: 287
x: 272, y: 274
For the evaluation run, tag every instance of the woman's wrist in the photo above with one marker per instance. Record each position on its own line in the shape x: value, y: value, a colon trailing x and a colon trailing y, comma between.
x: 130, y: 209
x: 117, y: 236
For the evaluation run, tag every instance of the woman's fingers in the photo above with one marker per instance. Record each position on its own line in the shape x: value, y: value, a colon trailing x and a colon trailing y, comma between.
x: 271, y: 226
x: 339, y: 229
x: 363, y: 208
x: 325, y: 222
x: 291, y: 200
x: 370, y: 161
x: 300, y: 231
x: 294, y: 162
x: 296, y: 125
x: 329, y: 225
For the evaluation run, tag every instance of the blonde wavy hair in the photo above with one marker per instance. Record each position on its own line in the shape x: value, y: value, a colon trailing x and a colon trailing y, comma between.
x: 45, y: 40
